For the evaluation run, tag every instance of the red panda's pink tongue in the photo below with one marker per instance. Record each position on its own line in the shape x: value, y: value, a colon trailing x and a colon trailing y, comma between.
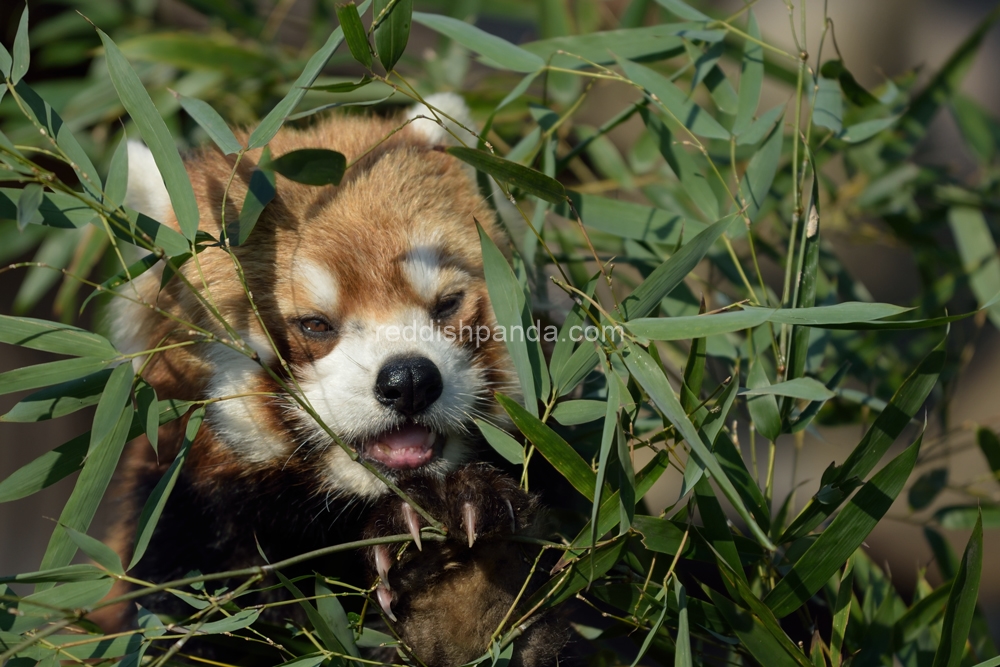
x: 408, y: 447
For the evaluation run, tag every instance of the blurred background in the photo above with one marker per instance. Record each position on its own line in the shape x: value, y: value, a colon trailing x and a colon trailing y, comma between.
x: 204, y: 48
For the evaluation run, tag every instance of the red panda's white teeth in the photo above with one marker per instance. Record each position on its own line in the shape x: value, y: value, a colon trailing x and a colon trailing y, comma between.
x: 410, y: 446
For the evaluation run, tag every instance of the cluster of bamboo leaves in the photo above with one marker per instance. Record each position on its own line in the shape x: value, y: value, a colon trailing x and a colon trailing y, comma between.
x: 714, y: 187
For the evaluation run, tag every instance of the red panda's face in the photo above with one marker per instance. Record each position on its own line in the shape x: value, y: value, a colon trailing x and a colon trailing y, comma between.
x: 375, y: 316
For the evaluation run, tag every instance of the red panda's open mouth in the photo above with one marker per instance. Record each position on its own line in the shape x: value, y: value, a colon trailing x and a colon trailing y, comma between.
x: 409, y: 446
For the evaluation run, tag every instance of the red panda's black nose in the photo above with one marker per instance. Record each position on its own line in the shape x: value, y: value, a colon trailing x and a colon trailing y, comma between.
x: 408, y: 385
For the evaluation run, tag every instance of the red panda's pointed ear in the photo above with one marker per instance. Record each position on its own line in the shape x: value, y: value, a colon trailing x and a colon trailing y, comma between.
x: 146, y: 192
x: 443, y: 120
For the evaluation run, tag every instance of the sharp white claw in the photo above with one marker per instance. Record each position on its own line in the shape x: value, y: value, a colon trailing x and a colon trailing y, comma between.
x: 513, y: 519
x: 382, y: 564
x: 385, y: 601
x: 412, y: 524
x: 469, y: 519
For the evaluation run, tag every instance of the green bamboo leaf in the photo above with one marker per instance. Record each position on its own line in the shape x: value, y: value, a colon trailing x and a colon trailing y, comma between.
x: 683, y: 10
x: 512, y: 310
x: 805, y: 287
x: 762, y: 405
x: 501, y: 442
x: 630, y: 220
x: 210, y: 121
x: 238, y: 621
x: 682, y: 657
x: 646, y: 43
x: 961, y: 603
x: 571, y: 413
x: 163, y: 237
x: 531, y: 181
x: 754, y: 636
x: 161, y: 493
x: 751, y: 77
x: 260, y: 193
x: 648, y: 374
x: 495, y: 51
x: 54, y: 337
x: 945, y: 84
x: 674, y: 101
x: 97, y: 551
x: 117, y: 280
x: 964, y: 517
x: 59, y: 575
x: 333, y: 613
x: 116, y: 394
x: 392, y: 29
x: 761, y: 127
x: 5, y: 62
x: 323, y: 629
x: 804, y: 388
x: 844, y: 535
x: 828, y: 105
x: 193, y: 50
x: 756, y: 182
x: 78, y: 512
x: 582, y: 572
x: 864, y: 131
x: 354, y: 33
x: 47, y: 605
x: 980, y: 131
x: 989, y: 444
x: 850, y: 314
x: 841, y: 612
x: 691, y: 177
x: 22, y: 52
x: 154, y: 132
x: 736, y: 469
x: 645, y: 298
x: 59, y: 400
x: 608, y: 435
x: 979, y: 255
x: 344, y: 86
x: 28, y: 203
x: 654, y: 628
x: 273, y: 120
x: 698, y: 326
x: 555, y: 450
x: 148, y: 411
x: 312, y: 166
x: 117, y: 181
x: 835, y: 70
x: 918, y: 617
x: 927, y: 487
x: 715, y: 528
x: 53, y: 372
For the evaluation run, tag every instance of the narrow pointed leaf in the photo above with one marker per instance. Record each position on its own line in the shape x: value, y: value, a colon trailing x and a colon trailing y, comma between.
x: 22, y: 52
x: 117, y: 181
x: 763, y: 406
x: 754, y: 637
x: 354, y: 33
x: 751, y: 78
x: 312, y: 166
x: 161, y: 493
x: 501, y: 442
x: 210, y: 121
x: 756, y: 182
x: 260, y: 193
x: 989, y: 444
x: 961, y: 606
x: 28, y: 203
x: 691, y: 177
x: 54, y: 337
x: 979, y: 255
x: 844, y: 535
x: 392, y: 29
x: 333, y: 613
x: 53, y: 372
x: 494, y: 49
x: 804, y: 388
x: 531, y: 181
x: 842, y: 612
x: 59, y: 400
x: 154, y: 132
x: 97, y: 551
x: 651, y: 377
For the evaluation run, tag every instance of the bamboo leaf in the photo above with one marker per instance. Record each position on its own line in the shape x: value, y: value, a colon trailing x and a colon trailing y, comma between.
x: 161, y: 493
x: 54, y: 337
x: 53, y: 372
x: 500, y: 440
x: 312, y: 166
x: 682, y: 658
x: 59, y: 400
x: 656, y: 42
x: 979, y: 255
x: 555, y: 450
x: 964, y: 517
x: 333, y: 613
x: 762, y: 405
x: 989, y: 444
x: 117, y: 182
x: 691, y: 177
x: 210, y: 121
x: 842, y: 612
x: 238, y: 621
x: 674, y: 101
x: 276, y: 117
x: 116, y: 394
x: 354, y: 33
x: 22, y: 52
x: 756, y: 182
x: 961, y: 603
x: 651, y: 377
x: 804, y: 388
x: 496, y: 51
x: 28, y: 203
x: 571, y: 413
x: 751, y: 77
x: 392, y: 30
x: 531, y: 181
x: 97, y: 551
x: 828, y: 105
x: 844, y: 535
x: 260, y: 193
x: 762, y: 645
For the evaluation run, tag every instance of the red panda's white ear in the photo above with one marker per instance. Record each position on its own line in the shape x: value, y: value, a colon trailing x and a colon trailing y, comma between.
x: 434, y: 132
x: 146, y: 192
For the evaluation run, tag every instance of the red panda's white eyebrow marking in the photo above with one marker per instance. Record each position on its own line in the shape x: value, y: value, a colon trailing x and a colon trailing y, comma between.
x: 316, y: 288
x: 422, y: 268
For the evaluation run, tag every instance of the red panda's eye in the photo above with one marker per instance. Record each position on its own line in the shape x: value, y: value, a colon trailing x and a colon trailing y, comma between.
x: 315, y: 325
x: 447, y: 305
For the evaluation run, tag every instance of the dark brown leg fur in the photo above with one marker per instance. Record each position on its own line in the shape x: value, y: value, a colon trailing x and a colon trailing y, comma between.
x: 451, y: 597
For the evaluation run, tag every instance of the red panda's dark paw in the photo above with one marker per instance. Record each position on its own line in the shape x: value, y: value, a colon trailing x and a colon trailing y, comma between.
x: 449, y: 599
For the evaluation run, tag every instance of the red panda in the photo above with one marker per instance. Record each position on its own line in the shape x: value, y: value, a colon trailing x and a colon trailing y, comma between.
x: 339, y: 276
